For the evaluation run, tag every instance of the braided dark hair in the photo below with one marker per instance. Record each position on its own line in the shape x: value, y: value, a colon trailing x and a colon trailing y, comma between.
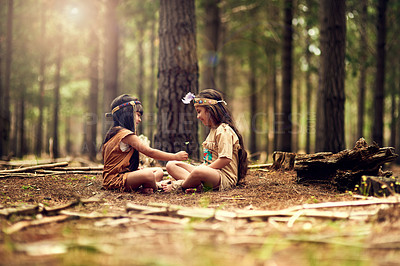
x: 125, y: 118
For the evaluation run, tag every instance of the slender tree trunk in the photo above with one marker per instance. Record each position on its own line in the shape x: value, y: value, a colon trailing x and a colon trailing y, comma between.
x: 308, y: 74
x: 178, y: 75
x: 57, y: 84
x: 152, y: 89
x: 68, y: 143
x: 110, y: 59
x: 2, y: 103
x: 222, y: 69
x: 253, y: 86
x: 253, y: 97
x: 330, y: 115
x: 93, y: 95
x: 275, y: 101
x: 21, y: 126
x: 212, y: 31
x: 5, y: 112
x: 42, y: 68
x: 363, y: 68
x: 141, y: 78
x: 393, y: 119
x: 14, y: 129
x: 377, y: 129
x: 285, y: 132
x: 308, y: 94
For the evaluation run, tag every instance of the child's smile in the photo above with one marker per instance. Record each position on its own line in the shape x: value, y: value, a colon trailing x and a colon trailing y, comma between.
x: 204, y: 116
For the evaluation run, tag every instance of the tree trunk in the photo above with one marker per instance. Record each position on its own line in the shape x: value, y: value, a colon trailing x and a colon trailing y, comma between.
x: 308, y: 94
x: 275, y: 101
x: 93, y: 95
x: 330, y: 114
x: 253, y: 89
x: 222, y: 69
x: 5, y: 104
x: 152, y: 88
x: 363, y: 68
x: 57, y: 84
x: 2, y: 120
x: 141, y: 79
x: 68, y: 144
x: 309, y: 87
x: 111, y: 38
x: 42, y: 68
x: 377, y: 129
x: 211, y: 34
x: 21, y: 132
x: 285, y: 131
x: 178, y: 75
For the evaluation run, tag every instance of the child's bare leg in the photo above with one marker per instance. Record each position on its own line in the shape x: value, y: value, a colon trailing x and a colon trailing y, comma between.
x: 198, y: 176
x: 144, y: 177
x: 179, y: 170
x: 201, y: 175
x: 158, y: 173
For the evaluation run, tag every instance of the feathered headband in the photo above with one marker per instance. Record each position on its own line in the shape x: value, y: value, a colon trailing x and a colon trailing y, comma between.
x: 133, y: 103
x: 200, y: 101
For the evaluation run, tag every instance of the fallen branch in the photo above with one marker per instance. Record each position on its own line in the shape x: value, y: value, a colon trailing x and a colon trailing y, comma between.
x: 391, y: 200
x: 40, y: 209
x: 33, y: 168
x: 24, y: 224
x: 264, y: 165
x: 30, y: 210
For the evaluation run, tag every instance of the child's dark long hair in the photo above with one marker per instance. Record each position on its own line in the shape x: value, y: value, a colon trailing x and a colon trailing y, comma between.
x: 220, y: 114
x: 124, y: 118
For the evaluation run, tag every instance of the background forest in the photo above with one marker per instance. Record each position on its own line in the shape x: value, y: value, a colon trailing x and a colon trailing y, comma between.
x: 61, y: 61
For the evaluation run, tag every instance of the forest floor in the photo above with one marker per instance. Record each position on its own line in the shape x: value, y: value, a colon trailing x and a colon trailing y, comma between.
x: 269, y: 220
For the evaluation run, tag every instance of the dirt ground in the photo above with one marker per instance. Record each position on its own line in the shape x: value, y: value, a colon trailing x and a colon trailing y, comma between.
x: 118, y: 237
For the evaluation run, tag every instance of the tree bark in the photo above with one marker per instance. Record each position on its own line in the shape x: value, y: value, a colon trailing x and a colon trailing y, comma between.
x: 178, y: 75
x: 211, y: 34
x: 152, y: 87
x: 285, y: 131
x: 111, y: 69
x: 56, y: 107
x: 253, y: 88
x: 41, y: 78
x: 330, y: 114
x: 93, y: 94
x: 5, y: 104
x: 141, y: 79
x: 377, y: 129
x: 363, y: 68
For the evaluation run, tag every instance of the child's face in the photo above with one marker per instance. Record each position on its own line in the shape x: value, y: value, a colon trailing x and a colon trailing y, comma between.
x: 204, y: 116
x: 138, y: 118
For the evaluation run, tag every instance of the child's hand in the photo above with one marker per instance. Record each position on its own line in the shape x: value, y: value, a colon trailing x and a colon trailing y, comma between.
x: 181, y: 156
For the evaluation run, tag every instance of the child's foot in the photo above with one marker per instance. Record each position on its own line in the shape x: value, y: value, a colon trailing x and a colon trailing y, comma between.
x: 172, y: 185
x: 159, y: 184
x: 197, y: 189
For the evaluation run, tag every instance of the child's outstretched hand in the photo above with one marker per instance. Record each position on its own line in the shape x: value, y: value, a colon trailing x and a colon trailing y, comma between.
x: 181, y: 156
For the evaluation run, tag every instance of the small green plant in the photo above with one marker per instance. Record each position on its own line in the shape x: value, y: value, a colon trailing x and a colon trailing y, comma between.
x: 29, y: 187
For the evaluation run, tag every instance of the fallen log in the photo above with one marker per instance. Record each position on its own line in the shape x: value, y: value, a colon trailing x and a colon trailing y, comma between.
x: 343, y: 169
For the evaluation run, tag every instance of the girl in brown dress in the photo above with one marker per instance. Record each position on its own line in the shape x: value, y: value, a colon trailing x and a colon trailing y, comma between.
x: 121, y: 149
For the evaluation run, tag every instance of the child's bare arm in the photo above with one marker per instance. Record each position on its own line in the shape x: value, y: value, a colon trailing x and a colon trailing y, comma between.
x: 135, y: 142
x: 220, y: 163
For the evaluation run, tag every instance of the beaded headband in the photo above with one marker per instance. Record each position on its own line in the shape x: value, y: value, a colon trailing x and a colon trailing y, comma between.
x: 200, y: 101
x: 133, y: 103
